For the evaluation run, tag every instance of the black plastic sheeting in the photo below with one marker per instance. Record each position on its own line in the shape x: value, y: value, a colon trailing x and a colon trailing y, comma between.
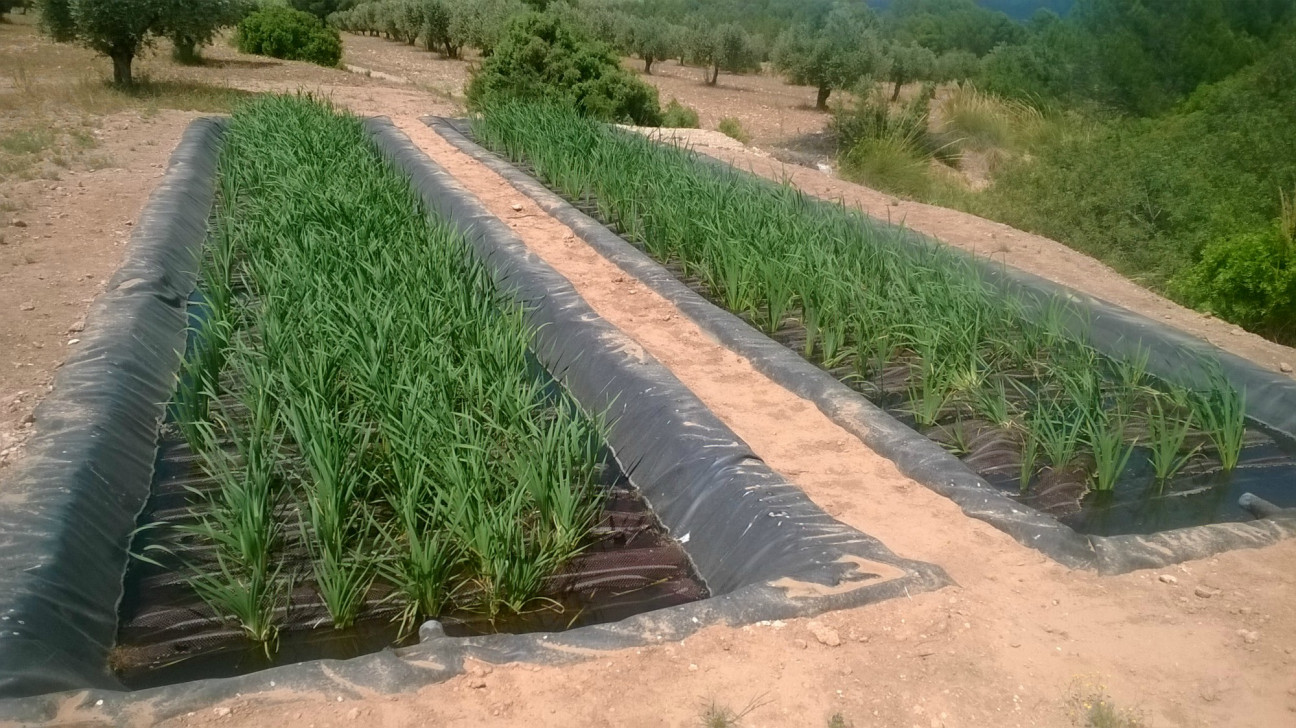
x: 69, y: 507
x: 1115, y: 331
x: 763, y: 548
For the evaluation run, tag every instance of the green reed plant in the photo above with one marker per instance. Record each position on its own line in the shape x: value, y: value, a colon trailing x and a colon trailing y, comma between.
x: 1058, y: 429
x: 1167, y: 433
x: 929, y: 393
x: 1105, y: 436
x: 241, y: 518
x: 991, y: 403
x: 866, y: 291
x: 1221, y: 410
x: 407, y: 426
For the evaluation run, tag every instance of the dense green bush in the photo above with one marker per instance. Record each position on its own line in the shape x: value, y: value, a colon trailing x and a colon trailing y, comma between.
x: 293, y: 35
x: 543, y: 57
x: 679, y: 116
x: 733, y: 128
x: 1148, y: 195
x: 1249, y: 279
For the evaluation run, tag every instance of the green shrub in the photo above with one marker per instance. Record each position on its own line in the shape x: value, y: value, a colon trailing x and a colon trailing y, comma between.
x: 732, y: 128
x: 1249, y: 279
x: 891, y: 164
x: 679, y: 116
x: 293, y: 35
x: 544, y: 57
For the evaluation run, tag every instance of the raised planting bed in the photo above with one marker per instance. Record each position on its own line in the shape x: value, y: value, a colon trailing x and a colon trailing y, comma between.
x: 387, y: 424
x: 1067, y: 406
x: 360, y: 440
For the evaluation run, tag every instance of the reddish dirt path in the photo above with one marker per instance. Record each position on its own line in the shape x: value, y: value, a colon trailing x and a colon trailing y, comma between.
x: 1007, y: 647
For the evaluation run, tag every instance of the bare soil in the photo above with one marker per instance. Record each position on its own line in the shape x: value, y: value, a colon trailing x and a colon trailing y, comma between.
x: 769, y: 110
x: 1020, y: 641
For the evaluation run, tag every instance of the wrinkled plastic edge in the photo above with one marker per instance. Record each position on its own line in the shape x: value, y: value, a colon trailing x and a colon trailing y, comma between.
x: 70, y: 505
x: 816, y: 564
x: 915, y: 455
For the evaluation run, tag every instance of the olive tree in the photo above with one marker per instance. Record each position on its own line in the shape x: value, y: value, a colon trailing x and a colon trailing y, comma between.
x: 648, y: 38
x: 436, y: 28
x: 835, y: 56
x: 910, y: 63
x: 724, y: 48
x: 480, y: 23
x: 120, y: 28
x: 197, y: 26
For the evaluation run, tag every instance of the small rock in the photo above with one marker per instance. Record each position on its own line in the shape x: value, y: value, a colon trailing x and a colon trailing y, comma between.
x: 27, y: 306
x: 825, y: 634
x: 73, y: 341
x: 222, y: 712
x: 77, y: 327
x: 18, y: 223
x: 477, y: 683
x: 1167, y: 579
x: 1204, y: 592
x: 353, y: 714
x: 516, y: 207
x: 1285, y: 367
x: 1248, y: 636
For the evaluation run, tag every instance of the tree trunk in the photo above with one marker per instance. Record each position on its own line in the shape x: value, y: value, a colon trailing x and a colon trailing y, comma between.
x: 895, y: 93
x: 452, y: 50
x: 185, y: 51
x: 648, y: 61
x: 821, y: 100
x: 711, y: 74
x: 122, y: 68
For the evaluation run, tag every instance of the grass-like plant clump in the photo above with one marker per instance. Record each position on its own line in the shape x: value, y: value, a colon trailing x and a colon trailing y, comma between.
x: 913, y: 325
x: 386, y: 425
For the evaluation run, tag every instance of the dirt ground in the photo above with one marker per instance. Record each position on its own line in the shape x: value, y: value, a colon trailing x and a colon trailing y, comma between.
x: 770, y: 110
x: 64, y: 226
x: 1020, y: 641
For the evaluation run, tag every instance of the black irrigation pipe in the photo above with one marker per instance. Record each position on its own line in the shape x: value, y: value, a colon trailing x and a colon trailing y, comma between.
x: 1174, y: 356
x: 764, y: 549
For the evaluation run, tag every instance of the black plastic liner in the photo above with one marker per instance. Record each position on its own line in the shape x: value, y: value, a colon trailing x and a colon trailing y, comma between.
x: 763, y: 548
x: 71, y: 503
x: 1174, y: 357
